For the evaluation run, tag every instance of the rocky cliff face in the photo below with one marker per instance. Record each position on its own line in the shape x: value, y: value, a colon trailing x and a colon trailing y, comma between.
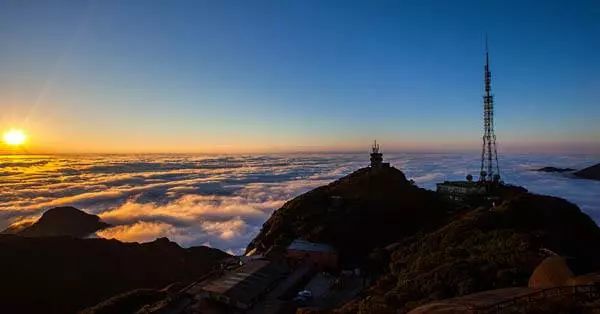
x: 61, y: 221
x: 366, y: 209
x: 66, y: 274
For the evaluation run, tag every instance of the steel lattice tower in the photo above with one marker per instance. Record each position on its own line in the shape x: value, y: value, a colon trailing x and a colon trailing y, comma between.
x: 489, y: 153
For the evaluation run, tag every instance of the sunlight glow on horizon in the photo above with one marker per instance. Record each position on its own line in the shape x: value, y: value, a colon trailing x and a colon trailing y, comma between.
x: 14, y: 137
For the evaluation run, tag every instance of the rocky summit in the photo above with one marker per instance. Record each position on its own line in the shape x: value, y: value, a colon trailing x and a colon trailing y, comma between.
x: 369, y: 208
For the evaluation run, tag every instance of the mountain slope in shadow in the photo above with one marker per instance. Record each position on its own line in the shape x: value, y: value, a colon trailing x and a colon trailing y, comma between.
x: 66, y: 274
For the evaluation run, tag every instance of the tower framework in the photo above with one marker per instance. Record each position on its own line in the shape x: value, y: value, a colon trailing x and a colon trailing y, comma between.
x: 490, y: 170
x: 376, y: 156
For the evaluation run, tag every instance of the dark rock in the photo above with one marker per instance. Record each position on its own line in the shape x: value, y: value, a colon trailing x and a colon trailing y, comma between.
x: 592, y: 172
x: 61, y: 221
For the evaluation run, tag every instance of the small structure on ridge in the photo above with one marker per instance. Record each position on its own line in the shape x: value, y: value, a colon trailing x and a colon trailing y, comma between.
x: 377, y: 157
x: 461, y: 190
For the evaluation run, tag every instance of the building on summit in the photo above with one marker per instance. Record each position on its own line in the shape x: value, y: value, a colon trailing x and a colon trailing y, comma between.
x: 460, y: 190
x: 377, y: 157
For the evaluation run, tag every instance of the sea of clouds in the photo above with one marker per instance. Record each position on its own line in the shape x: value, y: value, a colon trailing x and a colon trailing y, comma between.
x: 222, y: 201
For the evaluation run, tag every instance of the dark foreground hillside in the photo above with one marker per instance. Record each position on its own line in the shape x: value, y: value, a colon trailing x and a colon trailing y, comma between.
x: 482, y: 250
x: 65, y: 274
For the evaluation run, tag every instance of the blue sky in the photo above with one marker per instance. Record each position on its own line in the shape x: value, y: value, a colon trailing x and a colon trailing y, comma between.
x: 215, y: 76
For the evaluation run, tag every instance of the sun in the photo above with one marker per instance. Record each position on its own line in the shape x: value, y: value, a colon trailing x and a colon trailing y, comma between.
x: 14, y: 137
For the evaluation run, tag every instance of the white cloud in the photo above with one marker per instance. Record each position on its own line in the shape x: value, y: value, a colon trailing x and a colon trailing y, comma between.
x: 224, y: 200
x: 142, y: 231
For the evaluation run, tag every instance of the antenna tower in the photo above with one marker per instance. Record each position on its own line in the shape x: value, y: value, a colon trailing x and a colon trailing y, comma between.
x: 489, y: 154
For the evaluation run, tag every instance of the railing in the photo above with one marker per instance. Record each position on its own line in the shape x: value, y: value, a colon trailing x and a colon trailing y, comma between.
x: 591, y: 292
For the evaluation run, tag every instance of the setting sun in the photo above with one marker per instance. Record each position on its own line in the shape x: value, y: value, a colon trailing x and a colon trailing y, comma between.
x: 14, y: 137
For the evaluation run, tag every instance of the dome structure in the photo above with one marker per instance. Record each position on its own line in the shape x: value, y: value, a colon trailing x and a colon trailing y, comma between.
x: 551, y: 272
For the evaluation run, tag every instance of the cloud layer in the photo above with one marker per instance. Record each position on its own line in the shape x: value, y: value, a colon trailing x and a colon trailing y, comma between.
x: 222, y: 201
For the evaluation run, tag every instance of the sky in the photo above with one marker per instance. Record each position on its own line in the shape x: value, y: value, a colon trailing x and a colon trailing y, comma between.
x: 279, y: 76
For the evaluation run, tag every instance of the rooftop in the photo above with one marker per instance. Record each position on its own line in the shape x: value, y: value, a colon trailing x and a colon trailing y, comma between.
x: 247, y: 281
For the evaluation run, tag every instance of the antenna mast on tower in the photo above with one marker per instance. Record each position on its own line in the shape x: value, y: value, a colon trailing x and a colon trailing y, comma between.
x: 489, y: 153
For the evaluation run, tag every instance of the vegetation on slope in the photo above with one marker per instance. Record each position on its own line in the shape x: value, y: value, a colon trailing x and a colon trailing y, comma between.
x: 481, y: 250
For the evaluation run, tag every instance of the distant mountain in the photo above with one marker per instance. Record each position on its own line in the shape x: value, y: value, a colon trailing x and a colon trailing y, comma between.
x: 60, y: 221
x: 366, y: 209
x: 66, y: 274
x: 592, y: 172
x: 554, y: 169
